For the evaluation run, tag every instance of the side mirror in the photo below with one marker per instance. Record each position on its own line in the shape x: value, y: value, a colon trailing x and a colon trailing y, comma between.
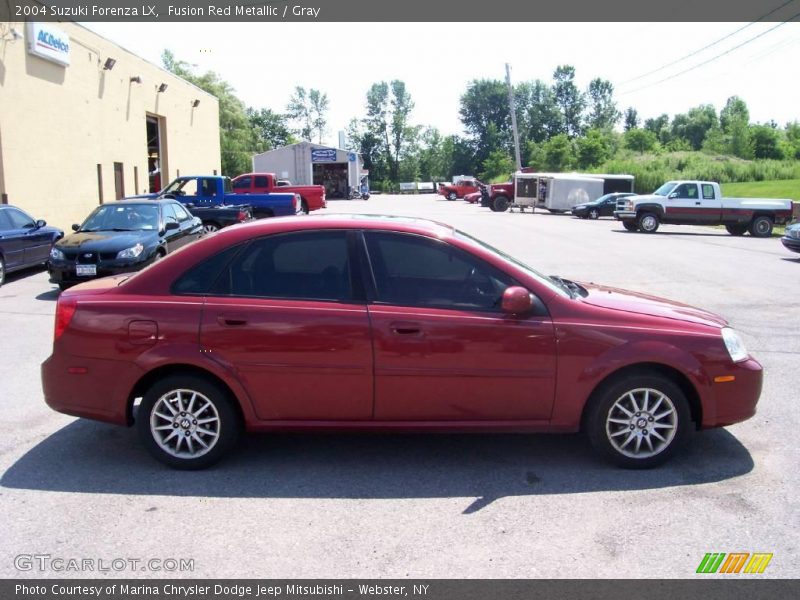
x: 75, y: 227
x: 516, y: 301
x: 673, y: 195
x: 172, y: 226
x: 40, y: 223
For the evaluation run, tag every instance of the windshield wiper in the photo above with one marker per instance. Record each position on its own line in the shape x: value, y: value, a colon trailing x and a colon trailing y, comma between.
x: 570, y: 286
x: 121, y: 229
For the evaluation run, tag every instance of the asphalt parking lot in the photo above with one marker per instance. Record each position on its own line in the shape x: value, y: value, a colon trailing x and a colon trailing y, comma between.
x: 429, y: 506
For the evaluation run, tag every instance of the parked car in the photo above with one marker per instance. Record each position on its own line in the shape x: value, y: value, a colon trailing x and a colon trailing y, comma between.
x: 701, y: 203
x: 24, y: 241
x: 604, y: 206
x: 459, y: 189
x: 215, y: 218
x: 312, y: 197
x: 121, y: 237
x: 473, y: 198
x: 791, y: 238
x: 382, y: 324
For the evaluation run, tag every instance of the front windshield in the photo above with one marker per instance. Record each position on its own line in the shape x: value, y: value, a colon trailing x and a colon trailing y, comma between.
x: 546, y: 281
x: 665, y: 189
x: 122, y: 217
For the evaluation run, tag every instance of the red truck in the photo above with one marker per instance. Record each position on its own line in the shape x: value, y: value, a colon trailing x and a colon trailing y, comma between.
x: 460, y: 188
x: 312, y: 196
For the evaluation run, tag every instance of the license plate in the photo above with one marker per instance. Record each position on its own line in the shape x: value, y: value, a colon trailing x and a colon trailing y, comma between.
x: 85, y: 270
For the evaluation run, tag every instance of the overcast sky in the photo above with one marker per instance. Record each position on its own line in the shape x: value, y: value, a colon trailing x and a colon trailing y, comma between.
x: 265, y: 61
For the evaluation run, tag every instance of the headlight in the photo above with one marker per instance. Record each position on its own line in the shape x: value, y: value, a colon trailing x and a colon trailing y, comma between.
x: 734, y: 344
x: 132, y: 252
x: 56, y: 254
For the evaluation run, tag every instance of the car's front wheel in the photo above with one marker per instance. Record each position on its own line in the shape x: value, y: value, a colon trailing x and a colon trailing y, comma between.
x: 638, y: 422
x: 648, y: 222
x: 501, y: 204
x: 2, y: 271
x: 594, y: 214
x: 187, y: 422
x: 630, y: 226
x: 452, y: 196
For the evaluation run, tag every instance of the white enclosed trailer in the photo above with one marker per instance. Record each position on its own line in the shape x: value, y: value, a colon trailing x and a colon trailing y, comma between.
x: 556, y: 192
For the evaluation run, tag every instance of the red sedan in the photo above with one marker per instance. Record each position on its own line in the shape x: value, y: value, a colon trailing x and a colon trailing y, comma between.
x: 369, y: 323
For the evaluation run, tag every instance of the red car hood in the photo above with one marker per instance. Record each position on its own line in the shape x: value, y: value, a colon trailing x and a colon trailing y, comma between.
x: 634, y: 302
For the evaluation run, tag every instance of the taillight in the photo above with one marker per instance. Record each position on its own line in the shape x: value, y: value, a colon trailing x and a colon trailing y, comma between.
x: 242, y: 216
x: 65, y: 309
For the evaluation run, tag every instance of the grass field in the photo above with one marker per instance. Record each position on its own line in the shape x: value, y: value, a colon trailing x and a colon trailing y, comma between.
x: 780, y: 188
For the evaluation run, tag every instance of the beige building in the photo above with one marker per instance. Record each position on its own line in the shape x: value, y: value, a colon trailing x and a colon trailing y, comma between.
x: 83, y: 121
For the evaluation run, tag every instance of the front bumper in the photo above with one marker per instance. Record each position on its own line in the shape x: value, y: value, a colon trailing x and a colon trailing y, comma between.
x: 64, y: 271
x: 735, y: 401
x: 790, y: 243
x: 624, y: 215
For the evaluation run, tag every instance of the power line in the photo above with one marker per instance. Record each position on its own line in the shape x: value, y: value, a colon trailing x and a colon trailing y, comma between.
x: 713, y: 58
x: 712, y: 44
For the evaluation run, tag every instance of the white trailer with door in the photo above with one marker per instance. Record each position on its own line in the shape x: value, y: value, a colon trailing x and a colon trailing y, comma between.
x: 556, y: 192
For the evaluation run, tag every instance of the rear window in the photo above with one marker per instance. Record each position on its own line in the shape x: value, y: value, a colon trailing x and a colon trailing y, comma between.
x: 200, y: 278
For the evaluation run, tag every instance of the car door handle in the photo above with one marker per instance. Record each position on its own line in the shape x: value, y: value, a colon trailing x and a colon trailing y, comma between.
x: 231, y: 320
x: 697, y: 203
x: 405, y: 328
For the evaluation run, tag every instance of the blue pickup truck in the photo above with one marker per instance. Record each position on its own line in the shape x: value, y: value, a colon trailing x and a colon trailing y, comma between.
x: 210, y: 191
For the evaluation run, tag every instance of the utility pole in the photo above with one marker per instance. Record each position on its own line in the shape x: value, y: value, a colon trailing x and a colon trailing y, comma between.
x: 513, y: 110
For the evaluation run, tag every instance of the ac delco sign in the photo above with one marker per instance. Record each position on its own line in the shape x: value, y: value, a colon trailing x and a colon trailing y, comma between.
x: 48, y: 42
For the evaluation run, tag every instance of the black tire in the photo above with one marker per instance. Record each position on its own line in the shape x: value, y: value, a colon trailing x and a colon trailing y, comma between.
x: 2, y: 271
x: 501, y: 204
x: 630, y: 226
x: 736, y: 229
x: 304, y: 206
x: 627, y: 445
x: 452, y: 196
x: 64, y: 286
x: 224, y: 425
x: 210, y: 227
x: 594, y: 214
x: 648, y: 222
x: 761, y: 226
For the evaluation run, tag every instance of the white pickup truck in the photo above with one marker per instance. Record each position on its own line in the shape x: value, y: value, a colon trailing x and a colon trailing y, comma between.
x: 701, y: 203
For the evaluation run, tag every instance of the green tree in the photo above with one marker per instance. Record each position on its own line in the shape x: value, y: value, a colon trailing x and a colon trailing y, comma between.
x: 308, y: 109
x: 558, y: 153
x: 660, y: 126
x: 631, y: 118
x: 569, y: 99
x: 766, y: 142
x: 603, y: 113
x: 389, y: 107
x: 640, y: 140
x: 592, y: 149
x: 694, y: 125
x: 238, y: 140
x: 792, y: 132
x: 486, y: 118
x: 734, y: 121
x: 270, y: 128
x: 498, y: 163
x: 538, y: 116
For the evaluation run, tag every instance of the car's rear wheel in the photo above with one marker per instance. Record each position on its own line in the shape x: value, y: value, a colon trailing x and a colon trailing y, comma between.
x: 304, y: 207
x: 210, y: 227
x: 630, y: 226
x: 187, y: 422
x: 593, y: 214
x: 761, y: 227
x: 736, y: 229
x: 2, y: 271
x: 452, y: 196
x: 648, y: 222
x: 638, y: 422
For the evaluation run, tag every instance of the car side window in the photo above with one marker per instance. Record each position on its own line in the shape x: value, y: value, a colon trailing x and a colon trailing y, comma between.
x: 708, y: 192
x: 261, y: 181
x: 200, y: 278
x: 411, y: 270
x: 687, y: 190
x: 19, y: 220
x: 310, y: 265
x: 180, y: 212
x: 5, y: 222
x: 169, y: 213
x: 243, y: 183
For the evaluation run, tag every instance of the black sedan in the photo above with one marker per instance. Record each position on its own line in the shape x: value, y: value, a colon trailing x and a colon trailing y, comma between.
x: 122, y: 237
x: 791, y: 239
x: 24, y: 241
x: 604, y: 206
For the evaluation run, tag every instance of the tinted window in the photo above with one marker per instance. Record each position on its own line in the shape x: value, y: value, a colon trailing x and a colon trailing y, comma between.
x: 242, y: 184
x: 200, y: 278
x: 5, y: 222
x: 19, y: 220
x: 416, y: 271
x: 304, y: 266
x: 169, y: 213
x: 687, y: 190
x: 261, y: 181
